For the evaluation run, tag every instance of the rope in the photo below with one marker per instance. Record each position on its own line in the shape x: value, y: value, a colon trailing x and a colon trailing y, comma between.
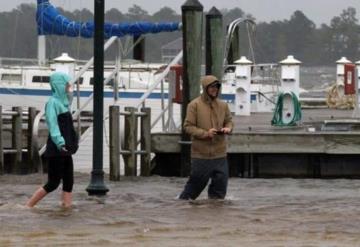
x: 336, y: 99
x: 278, y: 119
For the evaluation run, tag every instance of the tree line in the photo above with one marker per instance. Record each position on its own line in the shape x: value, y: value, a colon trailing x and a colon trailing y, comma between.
x: 271, y: 41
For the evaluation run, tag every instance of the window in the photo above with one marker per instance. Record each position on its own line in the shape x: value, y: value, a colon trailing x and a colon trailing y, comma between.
x: 41, y: 79
x: 46, y: 79
x: 11, y: 77
x: 110, y: 83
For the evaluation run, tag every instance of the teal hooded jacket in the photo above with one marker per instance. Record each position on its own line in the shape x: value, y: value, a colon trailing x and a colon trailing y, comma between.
x: 57, y: 104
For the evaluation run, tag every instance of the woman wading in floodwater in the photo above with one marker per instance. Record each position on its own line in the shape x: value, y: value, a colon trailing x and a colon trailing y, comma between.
x: 62, y: 141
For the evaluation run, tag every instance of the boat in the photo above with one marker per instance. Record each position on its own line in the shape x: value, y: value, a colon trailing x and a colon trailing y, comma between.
x: 31, y: 82
x: 127, y: 83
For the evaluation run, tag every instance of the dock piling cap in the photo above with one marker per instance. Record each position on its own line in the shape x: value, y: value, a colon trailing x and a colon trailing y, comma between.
x: 343, y: 60
x: 192, y: 5
x: 357, y: 63
x: 290, y: 60
x: 64, y: 58
x: 243, y: 60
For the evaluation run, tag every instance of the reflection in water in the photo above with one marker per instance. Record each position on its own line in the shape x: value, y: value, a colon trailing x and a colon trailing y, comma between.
x: 144, y: 212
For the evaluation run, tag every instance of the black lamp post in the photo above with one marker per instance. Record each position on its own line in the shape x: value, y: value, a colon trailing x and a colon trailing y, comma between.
x: 97, y: 186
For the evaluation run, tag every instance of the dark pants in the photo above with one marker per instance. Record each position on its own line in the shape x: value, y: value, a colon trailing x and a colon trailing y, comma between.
x: 60, y: 168
x: 201, y: 171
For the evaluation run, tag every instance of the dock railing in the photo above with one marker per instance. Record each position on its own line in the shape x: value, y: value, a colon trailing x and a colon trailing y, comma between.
x: 158, y: 81
x: 40, y: 115
x: 141, y: 103
x: 130, y: 150
x: 18, y: 118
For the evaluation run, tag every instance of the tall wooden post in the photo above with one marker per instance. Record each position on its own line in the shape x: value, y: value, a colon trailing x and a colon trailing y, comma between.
x: 214, y: 46
x: 114, y: 130
x: 1, y: 144
x: 17, y: 140
x: 130, y: 142
x: 234, y: 51
x: 97, y: 185
x: 145, y: 142
x: 192, y: 18
x: 31, y: 149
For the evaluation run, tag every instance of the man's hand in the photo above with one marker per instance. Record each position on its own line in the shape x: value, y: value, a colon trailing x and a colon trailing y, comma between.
x: 212, y: 132
x: 226, y: 130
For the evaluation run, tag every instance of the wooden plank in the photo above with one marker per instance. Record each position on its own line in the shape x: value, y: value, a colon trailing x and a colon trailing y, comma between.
x: 289, y: 142
x: 146, y: 142
x: 17, y: 140
x: 31, y: 146
x: 114, y: 128
x: 165, y: 143
x: 130, y: 142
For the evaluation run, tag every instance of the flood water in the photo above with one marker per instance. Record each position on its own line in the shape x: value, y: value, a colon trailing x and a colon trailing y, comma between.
x: 144, y: 212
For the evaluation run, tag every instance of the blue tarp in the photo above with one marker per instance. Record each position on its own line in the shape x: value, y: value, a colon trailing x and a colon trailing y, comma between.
x: 50, y: 21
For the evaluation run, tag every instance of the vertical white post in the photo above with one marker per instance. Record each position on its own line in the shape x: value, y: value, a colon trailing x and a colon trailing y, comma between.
x: 290, y: 75
x: 117, y: 78
x: 290, y: 83
x: 170, y: 126
x: 340, y: 75
x: 243, y: 92
x: 340, y: 70
x: 65, y: 64
x: 41, y: 50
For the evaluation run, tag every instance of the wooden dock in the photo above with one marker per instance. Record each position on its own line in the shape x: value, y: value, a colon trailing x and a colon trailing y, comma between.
x: 325, y: 144
x: 318, y: 147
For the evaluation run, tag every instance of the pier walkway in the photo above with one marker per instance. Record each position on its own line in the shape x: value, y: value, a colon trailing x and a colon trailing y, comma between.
x: 325, y: 144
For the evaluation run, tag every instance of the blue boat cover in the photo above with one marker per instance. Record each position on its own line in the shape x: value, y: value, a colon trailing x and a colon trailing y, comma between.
x: 50, y: 21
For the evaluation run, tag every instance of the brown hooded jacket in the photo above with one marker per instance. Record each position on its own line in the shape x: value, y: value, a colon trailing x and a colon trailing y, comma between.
x: 204, y: 113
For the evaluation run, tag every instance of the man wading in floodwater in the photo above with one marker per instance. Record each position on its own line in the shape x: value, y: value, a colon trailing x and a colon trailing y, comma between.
x: 207, y: 120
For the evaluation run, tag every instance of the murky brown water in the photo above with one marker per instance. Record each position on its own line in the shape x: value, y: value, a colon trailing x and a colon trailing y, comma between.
x: 143, y: 212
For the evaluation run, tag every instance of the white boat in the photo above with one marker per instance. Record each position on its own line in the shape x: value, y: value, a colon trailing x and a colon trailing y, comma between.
x: 127, y: 84
x: 28, y: 86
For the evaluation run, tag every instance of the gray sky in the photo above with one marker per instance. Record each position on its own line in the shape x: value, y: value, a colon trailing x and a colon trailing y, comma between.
x: 319, y: 11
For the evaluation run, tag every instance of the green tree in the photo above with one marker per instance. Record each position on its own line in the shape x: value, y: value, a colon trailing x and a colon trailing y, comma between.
x: 165, y: 14
x: 114, y: 16
x: 154, y: 42
x: 136, y: 13
x: 300, y: 37
x: 344, y: 35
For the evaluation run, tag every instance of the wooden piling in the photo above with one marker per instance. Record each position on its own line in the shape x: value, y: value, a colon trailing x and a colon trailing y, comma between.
x: 1, y: 144
x: 114, y: 129
x: 146, y: 142
x: 192, y: 18
x: 130, y: 142
x: 31, y: 148
x: 214, y: 45
x: 17, y: 141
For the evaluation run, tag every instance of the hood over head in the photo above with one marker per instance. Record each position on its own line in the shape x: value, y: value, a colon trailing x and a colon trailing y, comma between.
x: 58, y: 81
x: 205, y: 82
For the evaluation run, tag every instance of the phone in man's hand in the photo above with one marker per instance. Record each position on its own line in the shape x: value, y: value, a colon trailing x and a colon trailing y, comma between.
x: 220, y: 132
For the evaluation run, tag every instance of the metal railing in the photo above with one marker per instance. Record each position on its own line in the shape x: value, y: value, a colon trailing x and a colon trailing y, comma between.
x: 40, y: 115
x: 160, y: 79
